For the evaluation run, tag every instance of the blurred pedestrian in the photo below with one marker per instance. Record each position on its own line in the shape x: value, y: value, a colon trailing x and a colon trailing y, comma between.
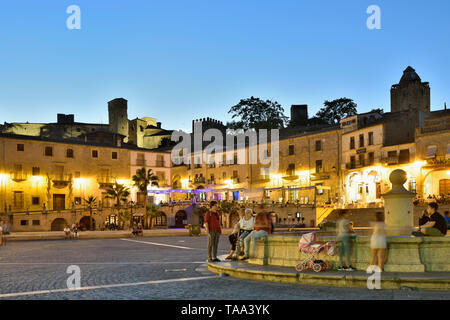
x: 344, y: 230
x: 378, y: 243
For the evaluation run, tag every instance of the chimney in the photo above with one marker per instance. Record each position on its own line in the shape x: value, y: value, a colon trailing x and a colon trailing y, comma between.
x: 158, y: 125
x: 299, y: 114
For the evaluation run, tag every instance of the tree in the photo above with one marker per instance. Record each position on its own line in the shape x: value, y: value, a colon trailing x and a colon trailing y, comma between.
x: 90, y: 203
x: 117, y: 192
x: 227, y: 207
x: 379, y: 110
x: 336, y: 110
x: 152, y: 211
x: 142, y: 179
x: 254, y: 113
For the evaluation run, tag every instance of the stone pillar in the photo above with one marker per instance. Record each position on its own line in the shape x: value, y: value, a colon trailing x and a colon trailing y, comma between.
x: 398, y: 206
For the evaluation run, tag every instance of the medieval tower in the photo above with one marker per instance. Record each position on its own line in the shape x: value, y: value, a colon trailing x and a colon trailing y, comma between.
x: 118, y: 116
x: 410, y: 93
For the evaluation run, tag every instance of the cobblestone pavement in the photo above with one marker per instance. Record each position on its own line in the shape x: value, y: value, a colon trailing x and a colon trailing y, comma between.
x: 34, y: 266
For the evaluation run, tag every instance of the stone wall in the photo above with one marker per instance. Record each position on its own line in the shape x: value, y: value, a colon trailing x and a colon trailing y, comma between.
x: 405, y: 254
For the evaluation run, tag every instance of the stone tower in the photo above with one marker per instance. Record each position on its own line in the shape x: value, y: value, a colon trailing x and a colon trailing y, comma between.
x: 410, y: 93
x: 118, y: 116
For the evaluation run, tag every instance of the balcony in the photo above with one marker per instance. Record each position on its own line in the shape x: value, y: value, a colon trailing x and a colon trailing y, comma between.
x: 105, y: 181
x: 160, y: 163
x: 290, y: 177
x: 19, y: 176
x: 390, y: 160
x: 438, y: 162
x: 199, y: 180
x: 61, y: 180
x: 140, y: 162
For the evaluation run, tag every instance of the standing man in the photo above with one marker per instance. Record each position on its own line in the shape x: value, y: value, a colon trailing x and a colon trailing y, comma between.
x: 213, y: 230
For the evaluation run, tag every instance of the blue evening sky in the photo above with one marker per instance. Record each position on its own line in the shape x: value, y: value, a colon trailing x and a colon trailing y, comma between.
x: 180, y: 60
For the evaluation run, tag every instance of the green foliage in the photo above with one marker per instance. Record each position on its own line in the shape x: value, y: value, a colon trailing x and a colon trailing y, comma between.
x: 142, y: 179
x: 118, y: 192
x: 227, y: 207
x: 90, y: 202
x: 124, y: 215
x: 379, y: 110
x: 336, y: 110
x: 254, y: 113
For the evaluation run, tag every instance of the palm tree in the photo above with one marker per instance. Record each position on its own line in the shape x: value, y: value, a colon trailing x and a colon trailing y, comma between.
x: 142, y: 179
x: 118, y: 192
x: 152, y: 211
x: 90, y: 202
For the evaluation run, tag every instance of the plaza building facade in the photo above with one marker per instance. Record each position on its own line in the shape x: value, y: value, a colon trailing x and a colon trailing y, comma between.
x: 330, y: 168
x: 44, y: 182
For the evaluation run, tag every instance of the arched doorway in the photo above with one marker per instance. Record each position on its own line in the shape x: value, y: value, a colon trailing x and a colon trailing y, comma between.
x: 58, y: 224
x: 180, y: 219
x: 85, y: 223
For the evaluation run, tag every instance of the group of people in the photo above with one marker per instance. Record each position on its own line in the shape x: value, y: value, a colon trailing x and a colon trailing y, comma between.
x: 3, y: 230
x: 138, y: 229
x: 246, y: 231
x: 431, y: 223
x: 71, y: 232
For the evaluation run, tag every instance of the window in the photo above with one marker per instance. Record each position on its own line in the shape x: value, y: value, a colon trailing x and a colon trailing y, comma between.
x: 36, y: 222
x: 235, y: 174
x: 370, y: 138
x: 352, y: 143
x: 371, y: 157
x: 114, y: 155
x: 291, y: 169
x: 18, y: 199
x: 361, y: 159
x: 319, y: 166
x: 20, y: 147
x: 77, y: 174
x: 94, y: 153
x: 77, y: 201
x: 69, y: 153
x: 447, y: 154
x: 49, y: 151
x: 431, y: 151
x: 291, y: 150
x: 35, y: 201
x: 224, y: 175
x: 36, y: 171
x: 361, y: 140
x: 403, y: 157
x: 318, y: 145
x: 23, y: 222
x: 319, y: 189
x: 352, y: 162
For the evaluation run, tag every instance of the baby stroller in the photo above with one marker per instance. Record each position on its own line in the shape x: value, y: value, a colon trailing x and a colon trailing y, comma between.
x: 307, y: 244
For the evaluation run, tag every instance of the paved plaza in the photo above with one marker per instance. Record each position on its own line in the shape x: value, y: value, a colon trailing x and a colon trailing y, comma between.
x: 147, y: 268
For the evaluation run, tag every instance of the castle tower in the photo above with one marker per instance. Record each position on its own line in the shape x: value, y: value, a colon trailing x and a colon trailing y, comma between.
x: 118, y: 116
x: 410, y: 93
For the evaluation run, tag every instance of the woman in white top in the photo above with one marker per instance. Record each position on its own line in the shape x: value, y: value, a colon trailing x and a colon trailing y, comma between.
x: 246, y: 227
x: 378, y: 243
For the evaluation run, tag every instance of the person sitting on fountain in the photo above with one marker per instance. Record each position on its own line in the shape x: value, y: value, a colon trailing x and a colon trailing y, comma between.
x: 437, y: 226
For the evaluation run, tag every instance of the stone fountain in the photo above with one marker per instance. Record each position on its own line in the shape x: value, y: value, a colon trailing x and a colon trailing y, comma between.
x: 398, y: 206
